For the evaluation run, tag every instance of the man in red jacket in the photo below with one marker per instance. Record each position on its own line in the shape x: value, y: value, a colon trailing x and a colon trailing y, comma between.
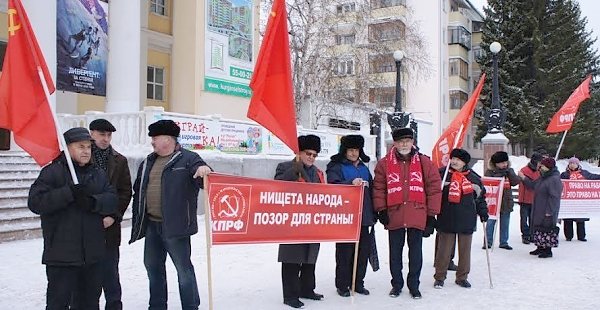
x: 407, y: 194
x: 528, y: 174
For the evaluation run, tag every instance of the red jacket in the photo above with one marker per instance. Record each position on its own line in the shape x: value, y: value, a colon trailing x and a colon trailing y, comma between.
x: 526, y: 186
x: 409, y: 214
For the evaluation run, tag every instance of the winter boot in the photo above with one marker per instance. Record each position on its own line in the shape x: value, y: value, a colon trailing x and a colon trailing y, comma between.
x: 546, y: 253
x: 537, y: 251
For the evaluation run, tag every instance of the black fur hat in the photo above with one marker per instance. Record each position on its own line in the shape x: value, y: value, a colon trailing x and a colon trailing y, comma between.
x: 499, y: 157
x: 164, y: 127
x: 309, y: 142
x: 462, y: 155
x: 354, y: 142
x: 402, y: 133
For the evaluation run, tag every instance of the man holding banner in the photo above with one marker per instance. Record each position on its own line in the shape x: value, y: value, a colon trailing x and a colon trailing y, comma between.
x: 406, y: 191
x: 298, y: 260
x: 463, y: 199
x: 348, y: 167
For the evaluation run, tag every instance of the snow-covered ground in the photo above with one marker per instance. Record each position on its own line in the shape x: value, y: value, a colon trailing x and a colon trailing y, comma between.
x: 248, y: 276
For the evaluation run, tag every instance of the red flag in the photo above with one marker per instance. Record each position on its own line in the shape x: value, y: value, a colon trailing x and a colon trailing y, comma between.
x: 24, y: 108
x: 563, y: 119
x: 453, y: 136
x: 272, y: 103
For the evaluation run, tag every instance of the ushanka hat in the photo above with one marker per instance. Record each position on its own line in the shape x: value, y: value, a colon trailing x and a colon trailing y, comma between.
x: 354, y: 142
x: 309, y: 142
x: 461, y: 154
x: 499, y: 157
x: 403, y: 133
x: 164, y: 127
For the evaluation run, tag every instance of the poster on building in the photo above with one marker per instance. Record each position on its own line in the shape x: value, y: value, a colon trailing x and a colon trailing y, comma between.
x: 82, y: 46
x: 330, y: 144
x: 238, y: 138
x: 229, y: 47
x: 196, y: 133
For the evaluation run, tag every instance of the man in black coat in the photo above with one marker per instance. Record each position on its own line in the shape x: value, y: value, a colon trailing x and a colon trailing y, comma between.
x: 72, y: 223
x: 298, y: 260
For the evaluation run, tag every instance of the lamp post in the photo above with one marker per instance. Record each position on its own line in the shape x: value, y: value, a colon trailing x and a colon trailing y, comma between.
x: 398, y: 119
x: 495, y: 118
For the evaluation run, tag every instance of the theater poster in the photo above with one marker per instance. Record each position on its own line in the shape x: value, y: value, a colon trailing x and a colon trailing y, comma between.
x: 82, y: 46
x: 229, y: 47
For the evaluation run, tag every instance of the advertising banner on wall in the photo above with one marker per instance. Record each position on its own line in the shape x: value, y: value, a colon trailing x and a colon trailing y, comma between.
x: 248, y: 210
x: 82, y: 46
x: 229, y: 47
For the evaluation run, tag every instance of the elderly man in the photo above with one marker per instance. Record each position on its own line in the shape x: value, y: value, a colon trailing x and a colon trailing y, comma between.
x: 406, y: 192
x: 164, y: 211
x: 73, y: 223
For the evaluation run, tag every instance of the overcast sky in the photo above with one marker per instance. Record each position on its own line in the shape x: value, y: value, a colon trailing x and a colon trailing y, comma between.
x: 589, y: 9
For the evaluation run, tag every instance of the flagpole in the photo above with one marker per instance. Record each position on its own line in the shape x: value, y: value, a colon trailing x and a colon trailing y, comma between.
x: 561, y: 144
x: 208, y: 230
x: 61, y: 139
x: 460, y: 130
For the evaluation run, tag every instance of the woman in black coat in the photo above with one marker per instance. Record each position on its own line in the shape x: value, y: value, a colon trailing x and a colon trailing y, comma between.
x: 544, y: 211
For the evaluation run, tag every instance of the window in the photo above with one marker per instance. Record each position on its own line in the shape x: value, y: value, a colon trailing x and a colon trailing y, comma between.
x: 457, y: 99
x: 158, y: 7
x: 155, y: 83
x: 477, y: 26
x: 2, y: 53
x: 344, y: 39
x: 376, y: 4
x: 345, y: 67
x: 346, y: 8
x: 386, y: 96
x: 393, y: 30
x: 459, y: 67
x: 459, y: 35
x: 382, y: 63
x: 478, y: 52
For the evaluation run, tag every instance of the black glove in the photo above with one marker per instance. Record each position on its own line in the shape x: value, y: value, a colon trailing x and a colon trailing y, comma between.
x: 82, y: 197
x: 383, y: 217
x: 484, y: 217
x: 429, y: 226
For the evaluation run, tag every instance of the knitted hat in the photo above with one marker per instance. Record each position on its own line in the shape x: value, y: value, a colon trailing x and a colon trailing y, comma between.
x: 548, y: 162
x: 461, y: 154
x: 102, y: 125
x: 354, y: 142
x: 536, y: 157
x: 499, y: 157
x: 309, y: 142
x: 164, y: 127
x: 574, y: 160
x: 403, y: 133
x: 77, y: 134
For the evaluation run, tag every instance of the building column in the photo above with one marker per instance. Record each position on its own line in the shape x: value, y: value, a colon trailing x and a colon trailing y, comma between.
x: 492, y: 143
x: 124, y: 68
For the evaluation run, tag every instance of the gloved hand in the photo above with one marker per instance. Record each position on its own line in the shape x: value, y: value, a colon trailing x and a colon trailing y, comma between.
x: 484, y: 217
x: 383, y: 217
x: 298, y: 166
x: 429, y: 226
x: 82, y: 197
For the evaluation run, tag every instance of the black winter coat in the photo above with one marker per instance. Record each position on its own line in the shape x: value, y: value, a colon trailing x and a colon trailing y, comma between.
x: 461, y: 218
x: 179, y: 195
x: 73, y: 236
x: 548, y: 190
x: 303, y: 253
x: 120, y: 179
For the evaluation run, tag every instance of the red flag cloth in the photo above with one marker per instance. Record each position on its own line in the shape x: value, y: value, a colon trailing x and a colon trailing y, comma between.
x: 563, y: 119
x: 24, y: 108
x: 272, y: 103
x: 446, y: 142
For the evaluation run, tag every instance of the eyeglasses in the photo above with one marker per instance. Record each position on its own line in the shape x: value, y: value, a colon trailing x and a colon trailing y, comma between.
x: 311, y: 154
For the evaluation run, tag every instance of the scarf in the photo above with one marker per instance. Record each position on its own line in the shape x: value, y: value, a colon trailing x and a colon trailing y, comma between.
x: 576, y: 175
x: 101, y: 156
x: 416, y: 189
x: 459, y: 185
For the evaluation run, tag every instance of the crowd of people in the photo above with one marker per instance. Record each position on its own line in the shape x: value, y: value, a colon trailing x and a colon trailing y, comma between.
x: 408, y: 193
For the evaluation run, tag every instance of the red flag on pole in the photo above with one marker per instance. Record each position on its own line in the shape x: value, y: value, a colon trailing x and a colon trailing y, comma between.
x: 24, y: 108
x: 563, y: 119
x: 454, y: 135
x: 272, y: 103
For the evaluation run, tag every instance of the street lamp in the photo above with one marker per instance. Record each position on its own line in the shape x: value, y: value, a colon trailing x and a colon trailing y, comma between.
x: 398, y: 119
x: 495, y: 118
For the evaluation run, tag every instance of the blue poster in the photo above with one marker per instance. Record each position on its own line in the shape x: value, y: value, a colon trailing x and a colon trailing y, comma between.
x: 82, y: 46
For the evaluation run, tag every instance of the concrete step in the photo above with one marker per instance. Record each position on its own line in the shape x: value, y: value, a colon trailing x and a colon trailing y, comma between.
x: 18, y: 175
x: 16, y: 214
x: 16, y: 157
x: 26, y: 229
x: 14, y: 192
x: 19, y: 167
x: 13, y: 202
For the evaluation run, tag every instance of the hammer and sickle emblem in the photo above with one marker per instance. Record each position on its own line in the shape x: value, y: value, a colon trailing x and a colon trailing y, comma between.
x: 416, y: 176
x: 231, y: 210
x: 454, y: 186
x: 12, y: 28
x: 393, y: 178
